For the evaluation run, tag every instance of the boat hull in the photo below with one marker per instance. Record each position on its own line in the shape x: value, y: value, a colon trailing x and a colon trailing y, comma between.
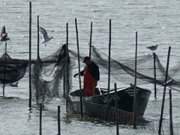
x: 115, y: 106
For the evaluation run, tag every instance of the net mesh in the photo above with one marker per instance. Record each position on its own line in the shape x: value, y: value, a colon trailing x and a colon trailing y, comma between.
x: 48, y: 77
x: 123, y: 70
x: 48, y: 74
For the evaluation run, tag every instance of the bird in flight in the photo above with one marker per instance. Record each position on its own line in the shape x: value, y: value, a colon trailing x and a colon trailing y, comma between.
x: 153, y: 47
x: 45, y: 35
x: 4, y: 34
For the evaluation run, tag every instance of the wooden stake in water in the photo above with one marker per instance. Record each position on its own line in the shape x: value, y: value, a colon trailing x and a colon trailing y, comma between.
x: 67, y: 34
x: 64, y: 82
x: 67, y: 67
x: 40, y: 120
x: 90, y: 40
x: 5, y: 47
x: 155, y: 88
x: 170, y: 113
x: 59, y: 120
x: 4, y: 85
x: 164, y: 92
x: 66, y: 73
x: 30, y: 29
x: 68, y: 58
x: 135, y: 83
x: 109, y: 57
x: 77, y: 40
x: 38, y: 55
x: 4, y: 73
x: 116, y: 105
x: 38, y: 59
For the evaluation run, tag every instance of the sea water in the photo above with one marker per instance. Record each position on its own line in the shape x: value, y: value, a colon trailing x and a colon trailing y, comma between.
x: 157, y: 22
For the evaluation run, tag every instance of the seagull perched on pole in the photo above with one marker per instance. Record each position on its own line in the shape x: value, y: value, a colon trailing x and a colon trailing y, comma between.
x: 153, y: 47
x: 45, y: 35
x: 4, y: 34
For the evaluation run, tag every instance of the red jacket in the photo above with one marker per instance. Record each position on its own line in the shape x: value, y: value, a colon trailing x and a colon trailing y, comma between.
x: 91, y: 76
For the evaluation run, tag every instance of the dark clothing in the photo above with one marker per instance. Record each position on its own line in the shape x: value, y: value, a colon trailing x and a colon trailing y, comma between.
x: 94, y: 70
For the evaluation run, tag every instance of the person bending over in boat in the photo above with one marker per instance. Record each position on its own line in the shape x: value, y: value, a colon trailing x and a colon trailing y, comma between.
x: 91, y: 76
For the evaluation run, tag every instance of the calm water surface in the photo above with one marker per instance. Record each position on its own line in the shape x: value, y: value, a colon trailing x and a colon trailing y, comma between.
x: 157, y: 22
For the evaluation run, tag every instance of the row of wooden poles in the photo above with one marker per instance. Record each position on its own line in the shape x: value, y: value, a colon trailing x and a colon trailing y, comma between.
x: 66, y: 88
x: 117, y: 123
x: 58, y: 119
x: 66, y: 73
x: 135, y: 80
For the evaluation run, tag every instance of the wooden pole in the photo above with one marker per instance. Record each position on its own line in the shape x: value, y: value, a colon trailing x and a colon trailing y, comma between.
x: 64, y: 82
x: 170, y: 113
x: 40, y: 120
x: 77, y: 40
x: 30, y: 29
x: 116, y: 105
x: 135, y: 83
x: 6, y: 47
x: 38, y: 55
x: 38, y: 59
x: 90, y: 40
x: 59, y: 120
x: 4, y: 85
x: 164, y: 92
x: 67, y: 67
x: 68, y: 58
x: 67, y: 34
x: 66, y: 73
x: 4, y: 73
x: 155, y: 84
x: 109, y: 57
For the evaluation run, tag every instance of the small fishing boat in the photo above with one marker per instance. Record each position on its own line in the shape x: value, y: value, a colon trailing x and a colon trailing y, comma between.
x: 113, y: 106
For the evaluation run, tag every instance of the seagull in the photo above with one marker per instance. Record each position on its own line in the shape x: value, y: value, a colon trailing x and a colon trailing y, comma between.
x: 153, y: 47
x: 4, y: 35
x: 45, y: 35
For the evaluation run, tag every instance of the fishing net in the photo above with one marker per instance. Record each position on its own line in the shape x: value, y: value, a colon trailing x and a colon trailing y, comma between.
x: 49, y: 72
x: 122, y: 70
x: 11, y: 70
x: 48, y: 75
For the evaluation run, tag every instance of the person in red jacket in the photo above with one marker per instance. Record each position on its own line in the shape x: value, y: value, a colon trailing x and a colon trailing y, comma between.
x: 91, y: 76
